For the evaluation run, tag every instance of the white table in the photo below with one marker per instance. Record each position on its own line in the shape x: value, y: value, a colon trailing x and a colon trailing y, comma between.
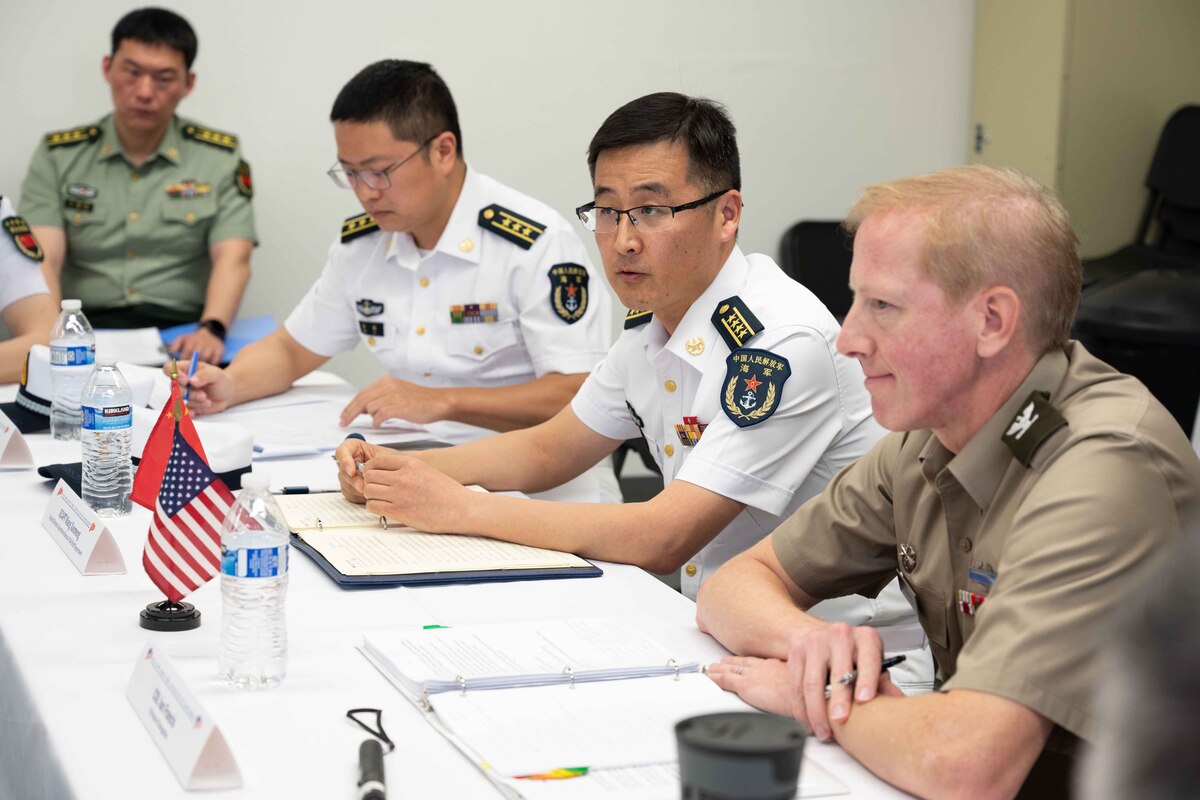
x: 68, y: 645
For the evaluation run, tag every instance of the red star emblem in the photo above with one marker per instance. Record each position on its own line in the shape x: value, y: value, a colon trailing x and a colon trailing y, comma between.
x: 571, y: 289
x: 752, y: 383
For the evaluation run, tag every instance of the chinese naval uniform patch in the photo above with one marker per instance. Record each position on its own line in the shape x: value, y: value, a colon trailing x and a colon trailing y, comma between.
x: 753, y: 385
x: 521, y: 231
x: 241, y: 177
x: 357, y: 226
x: 18, y: 229
x: 1032, y: 426
x: 735, y: 322
x: 569, y: 291
x: 635, y: 317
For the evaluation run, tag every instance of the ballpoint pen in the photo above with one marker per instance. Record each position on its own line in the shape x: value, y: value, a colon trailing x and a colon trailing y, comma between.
x: 851, y: 676
x: 187, y: 390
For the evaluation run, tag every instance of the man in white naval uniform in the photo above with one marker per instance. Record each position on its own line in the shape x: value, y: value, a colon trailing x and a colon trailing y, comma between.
x: 731, y: 373
x: 25, y: 304
x: 474, y: 296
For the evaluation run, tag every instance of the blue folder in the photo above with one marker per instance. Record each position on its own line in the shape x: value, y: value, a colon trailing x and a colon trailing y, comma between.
x: 243, y: 331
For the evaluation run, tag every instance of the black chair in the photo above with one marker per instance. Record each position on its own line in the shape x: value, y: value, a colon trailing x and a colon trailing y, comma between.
x: 817, y: 254
x: 1172, y: 209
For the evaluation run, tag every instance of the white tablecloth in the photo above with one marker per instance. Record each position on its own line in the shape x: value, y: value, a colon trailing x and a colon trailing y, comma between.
x: 68, y: 644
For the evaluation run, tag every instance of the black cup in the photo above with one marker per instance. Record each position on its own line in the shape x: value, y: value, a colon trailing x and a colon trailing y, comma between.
x: 739, y: 755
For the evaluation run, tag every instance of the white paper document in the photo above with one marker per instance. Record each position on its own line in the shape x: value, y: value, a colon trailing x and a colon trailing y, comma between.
x: 318, y: 510
x: 482, y: 657
x: 135, y: 345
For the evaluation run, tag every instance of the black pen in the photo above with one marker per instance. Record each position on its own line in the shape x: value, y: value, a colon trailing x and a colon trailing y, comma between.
x: 370, y: 770
x: 851, y: 676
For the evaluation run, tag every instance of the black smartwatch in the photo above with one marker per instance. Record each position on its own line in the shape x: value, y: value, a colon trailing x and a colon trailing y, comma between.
x: 215, y: 327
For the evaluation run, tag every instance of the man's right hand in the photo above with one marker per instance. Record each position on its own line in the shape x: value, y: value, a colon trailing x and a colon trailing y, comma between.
x: 211, y: 388
x: 827, y: 653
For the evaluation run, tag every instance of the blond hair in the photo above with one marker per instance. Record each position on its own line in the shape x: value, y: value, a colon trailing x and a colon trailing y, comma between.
x: 986, y: 226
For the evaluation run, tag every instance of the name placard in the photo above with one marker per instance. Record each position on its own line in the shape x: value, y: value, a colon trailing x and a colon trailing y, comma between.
x: 76, y: 529
x: 14, y: 450
x: 187, y: 737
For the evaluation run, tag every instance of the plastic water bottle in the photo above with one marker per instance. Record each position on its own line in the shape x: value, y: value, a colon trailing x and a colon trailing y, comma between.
x: 254, y: 579
x: 72, y: 352
x: 107, y: 431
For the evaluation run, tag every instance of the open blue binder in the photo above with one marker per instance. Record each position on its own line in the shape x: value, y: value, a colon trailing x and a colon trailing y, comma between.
x: 428, y: 578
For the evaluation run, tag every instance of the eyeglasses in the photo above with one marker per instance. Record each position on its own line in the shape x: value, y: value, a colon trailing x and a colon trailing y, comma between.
x: 377, y: 179
x: 651, y: 219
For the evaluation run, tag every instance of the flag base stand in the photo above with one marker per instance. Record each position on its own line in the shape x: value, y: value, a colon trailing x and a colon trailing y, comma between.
x: 168, y: 616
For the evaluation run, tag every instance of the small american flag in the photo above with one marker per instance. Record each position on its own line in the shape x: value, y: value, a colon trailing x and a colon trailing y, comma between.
x: 183, y: 549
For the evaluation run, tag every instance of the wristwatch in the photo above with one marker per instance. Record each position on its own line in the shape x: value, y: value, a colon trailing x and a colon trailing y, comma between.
x: 215, y: 327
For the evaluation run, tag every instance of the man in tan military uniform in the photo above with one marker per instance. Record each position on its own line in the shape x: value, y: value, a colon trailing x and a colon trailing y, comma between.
x: 1019, y: 499
x: 143, y: 215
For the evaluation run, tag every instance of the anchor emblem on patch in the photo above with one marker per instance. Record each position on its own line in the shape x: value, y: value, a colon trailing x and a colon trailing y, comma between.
x: 753, y: 385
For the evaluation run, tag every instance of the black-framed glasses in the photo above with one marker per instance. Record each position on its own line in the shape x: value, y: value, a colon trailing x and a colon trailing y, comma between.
x: 377, y: 179
x: 650, y: 219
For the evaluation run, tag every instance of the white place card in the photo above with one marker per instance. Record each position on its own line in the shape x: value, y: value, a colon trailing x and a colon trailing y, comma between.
x: 187, y: 737
x: 78, y: 531
x: 14, y: 450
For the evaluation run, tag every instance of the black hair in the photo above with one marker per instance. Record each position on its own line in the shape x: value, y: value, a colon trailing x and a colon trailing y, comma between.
x: 701, y: 124
x: 157, y: 26
x: 409, y: 96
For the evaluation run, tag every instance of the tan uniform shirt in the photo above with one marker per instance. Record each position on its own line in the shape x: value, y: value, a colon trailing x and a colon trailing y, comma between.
x: 1016, y: 570
x: 139, y: 234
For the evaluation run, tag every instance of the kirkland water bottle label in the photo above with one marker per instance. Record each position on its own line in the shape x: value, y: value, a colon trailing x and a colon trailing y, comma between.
x: 107, y: 418
x: 73, y: 356
x: 254, y: 562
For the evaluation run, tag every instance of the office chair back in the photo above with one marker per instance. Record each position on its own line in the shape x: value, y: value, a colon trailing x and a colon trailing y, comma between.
x: 817, y: 254
x: 1174, y: 184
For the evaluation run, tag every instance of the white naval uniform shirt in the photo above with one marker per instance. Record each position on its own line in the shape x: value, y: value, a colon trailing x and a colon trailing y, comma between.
x: 822, y: 423
x: 411, y: 295
x: 20, y: 275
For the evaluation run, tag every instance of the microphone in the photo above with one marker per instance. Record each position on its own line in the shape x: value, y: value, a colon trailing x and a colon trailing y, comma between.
x: 370, y: 770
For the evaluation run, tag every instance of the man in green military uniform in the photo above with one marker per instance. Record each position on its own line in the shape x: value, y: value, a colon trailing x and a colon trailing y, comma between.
x: 143, y: 215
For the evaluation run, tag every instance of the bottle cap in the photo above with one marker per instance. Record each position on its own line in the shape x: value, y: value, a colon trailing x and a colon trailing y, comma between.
x: 257, y: 481
x: 72, y: 305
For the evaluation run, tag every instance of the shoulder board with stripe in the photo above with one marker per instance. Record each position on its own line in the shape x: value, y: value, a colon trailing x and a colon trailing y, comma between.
x: 360, y: 225
x: 519, y: 230
x: 86, y: 134
x: 225, y: 141
x: 635, y: 318
x: 735, y: 322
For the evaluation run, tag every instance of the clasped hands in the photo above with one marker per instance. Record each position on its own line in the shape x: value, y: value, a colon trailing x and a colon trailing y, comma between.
x: 401, y: 487
x: 796, y: 687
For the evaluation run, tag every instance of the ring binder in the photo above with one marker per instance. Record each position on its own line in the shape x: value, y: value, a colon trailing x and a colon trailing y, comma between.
x: 462, y: 684
x: 672, y: 663
x: 570, y: 673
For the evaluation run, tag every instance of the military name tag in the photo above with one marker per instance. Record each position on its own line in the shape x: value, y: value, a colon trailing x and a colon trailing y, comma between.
x: 370, y: 328
x: 753, y: 385
x: 569, y: 291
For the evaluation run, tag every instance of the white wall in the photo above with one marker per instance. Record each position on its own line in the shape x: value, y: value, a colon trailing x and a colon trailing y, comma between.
x: 828, y: 95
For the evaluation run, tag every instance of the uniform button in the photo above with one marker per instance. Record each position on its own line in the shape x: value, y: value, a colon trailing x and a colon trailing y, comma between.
x: 137, y: 176
x: 78, y: 217
x: 669, y: 450
x: 191, y: 217
x: 669, y: 386
x: 420, y: 330
x: 690, y: 569
x: 424, y: 283
x: 129, y: 291
x: 478, y: 349
x: 130, y: 254
x: 964, y: 544
x: 133, y: 216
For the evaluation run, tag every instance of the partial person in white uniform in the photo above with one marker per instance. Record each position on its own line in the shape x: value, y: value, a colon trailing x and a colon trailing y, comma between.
x: 25, y: 303
x: 731, y: 373
x: 475, y: 297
